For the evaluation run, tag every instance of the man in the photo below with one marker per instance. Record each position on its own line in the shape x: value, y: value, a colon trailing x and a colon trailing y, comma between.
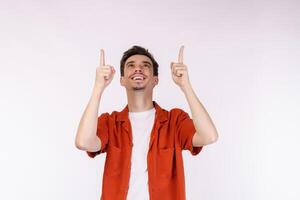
x: 143, y: 142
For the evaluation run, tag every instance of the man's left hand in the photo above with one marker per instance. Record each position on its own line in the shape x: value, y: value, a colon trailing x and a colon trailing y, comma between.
x: 179, y: 71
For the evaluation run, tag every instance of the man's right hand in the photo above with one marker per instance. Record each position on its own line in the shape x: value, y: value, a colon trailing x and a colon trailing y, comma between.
x: 104, y: 73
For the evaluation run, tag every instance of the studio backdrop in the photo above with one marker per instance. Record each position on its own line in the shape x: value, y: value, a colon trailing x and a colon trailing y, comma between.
x: 243, y: 63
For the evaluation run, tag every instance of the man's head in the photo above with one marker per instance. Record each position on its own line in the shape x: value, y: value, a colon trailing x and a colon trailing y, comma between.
x: 138, y: 69
x: 138, y: 50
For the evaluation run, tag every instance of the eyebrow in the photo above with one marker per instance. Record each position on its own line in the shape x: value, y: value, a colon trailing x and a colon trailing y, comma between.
x: 147, y: 62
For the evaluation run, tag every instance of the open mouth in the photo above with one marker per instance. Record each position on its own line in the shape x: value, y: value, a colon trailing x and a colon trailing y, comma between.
x: 138, y: 78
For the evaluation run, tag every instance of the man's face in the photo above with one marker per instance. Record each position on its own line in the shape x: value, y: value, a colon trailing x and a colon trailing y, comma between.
x: 138, y: 73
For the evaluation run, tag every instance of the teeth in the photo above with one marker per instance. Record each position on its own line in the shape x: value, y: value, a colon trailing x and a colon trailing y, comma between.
x: 138, y: 78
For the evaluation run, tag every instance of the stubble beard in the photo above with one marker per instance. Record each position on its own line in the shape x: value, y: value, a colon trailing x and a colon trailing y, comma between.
x: 138, y: 88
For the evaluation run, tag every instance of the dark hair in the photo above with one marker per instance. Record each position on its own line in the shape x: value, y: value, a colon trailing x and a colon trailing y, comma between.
x: 138, y: 50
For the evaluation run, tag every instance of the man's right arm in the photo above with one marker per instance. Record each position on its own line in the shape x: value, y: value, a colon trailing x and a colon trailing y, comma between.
x: 86, y: 137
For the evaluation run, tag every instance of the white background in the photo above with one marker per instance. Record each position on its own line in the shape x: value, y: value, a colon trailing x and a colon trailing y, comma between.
x: 243, y: 62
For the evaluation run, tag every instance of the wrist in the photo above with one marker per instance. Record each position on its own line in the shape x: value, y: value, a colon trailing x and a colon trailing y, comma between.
x: 98, y: 89
x: 186, y: 88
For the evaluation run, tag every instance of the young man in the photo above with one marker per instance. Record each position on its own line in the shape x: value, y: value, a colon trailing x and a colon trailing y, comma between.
x: 143, y: 142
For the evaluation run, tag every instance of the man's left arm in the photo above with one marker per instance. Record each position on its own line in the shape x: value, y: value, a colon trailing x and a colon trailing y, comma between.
x: 206, y: 132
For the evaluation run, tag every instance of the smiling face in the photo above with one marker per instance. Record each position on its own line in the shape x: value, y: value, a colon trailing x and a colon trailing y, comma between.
x: 138, y: 74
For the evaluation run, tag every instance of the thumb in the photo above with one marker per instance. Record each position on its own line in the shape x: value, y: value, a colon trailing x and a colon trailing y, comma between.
x: 171, y: 66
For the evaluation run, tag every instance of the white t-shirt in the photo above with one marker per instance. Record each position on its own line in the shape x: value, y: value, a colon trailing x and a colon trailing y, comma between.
x: 141, y: 124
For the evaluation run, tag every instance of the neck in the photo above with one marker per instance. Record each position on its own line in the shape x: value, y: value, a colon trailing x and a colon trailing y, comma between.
x: 139, y: 102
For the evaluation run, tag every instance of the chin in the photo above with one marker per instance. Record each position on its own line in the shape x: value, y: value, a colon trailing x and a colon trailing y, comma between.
x: 138, y: 88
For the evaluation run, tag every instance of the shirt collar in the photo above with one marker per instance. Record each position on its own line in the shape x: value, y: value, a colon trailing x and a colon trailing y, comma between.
x: 162, y: 115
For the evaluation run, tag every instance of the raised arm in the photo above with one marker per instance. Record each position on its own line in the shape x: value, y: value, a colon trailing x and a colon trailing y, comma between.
x: 86, y: 138
x: 206, y: 130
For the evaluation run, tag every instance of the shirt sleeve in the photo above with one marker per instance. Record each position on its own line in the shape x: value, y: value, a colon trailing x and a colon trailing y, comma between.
x: 186, y: 131
x: 102, y: 133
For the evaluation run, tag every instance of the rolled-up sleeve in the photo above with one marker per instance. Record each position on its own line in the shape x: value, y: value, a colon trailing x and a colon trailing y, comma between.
x: 102, y: 133
x: 186, y: 131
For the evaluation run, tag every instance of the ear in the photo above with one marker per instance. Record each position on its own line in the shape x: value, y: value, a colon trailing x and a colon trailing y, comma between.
x: 156, y: 80
x: 122, y: 80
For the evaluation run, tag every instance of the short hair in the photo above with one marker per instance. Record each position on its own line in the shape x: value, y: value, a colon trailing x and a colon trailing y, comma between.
x: 138, y: 50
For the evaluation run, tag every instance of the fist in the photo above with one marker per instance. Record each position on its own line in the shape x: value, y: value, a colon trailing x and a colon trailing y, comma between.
x: 179, y: 71
x: 104, y: 73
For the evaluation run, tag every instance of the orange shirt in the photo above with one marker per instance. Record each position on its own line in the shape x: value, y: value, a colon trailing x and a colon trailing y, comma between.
x: 172, y: 132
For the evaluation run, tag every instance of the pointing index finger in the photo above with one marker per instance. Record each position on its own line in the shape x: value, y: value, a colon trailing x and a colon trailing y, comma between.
x: 102, y: 59
x: 180, y: 56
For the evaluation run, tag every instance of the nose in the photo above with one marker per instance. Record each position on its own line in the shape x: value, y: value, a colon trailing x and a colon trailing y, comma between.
x: 138, y: 69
